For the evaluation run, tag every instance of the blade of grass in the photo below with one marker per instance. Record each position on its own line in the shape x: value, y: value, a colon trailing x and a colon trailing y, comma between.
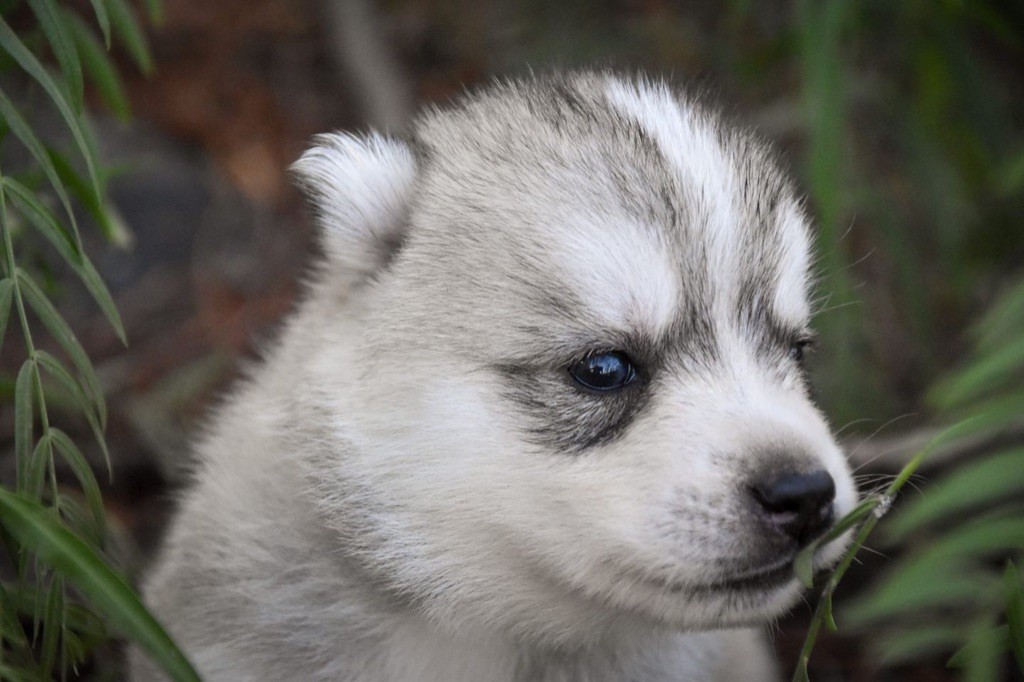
x: 55, y: 370
x: 6, y: 300
x: 97, y: 65
x: 51, y: 21
x: 46, y: 222
x: 896, y: 647
x: 823, y: 608
x: 43, y: 220
x: 23, y: 131
x: 127, y: 28
x: 42, y: 455
x: 981, y: 376
x: 102, y: 19
x: 10, y: 42
x: 995, y: 638
x: 23, y: 387
x: 105, y: 590
x: 51, y: 628
x: 105, y: 214
x: 1014, y: 613
x: 972, y: 484
x: 79, y: 521
x: 62, y: 333
x: 83, y: 472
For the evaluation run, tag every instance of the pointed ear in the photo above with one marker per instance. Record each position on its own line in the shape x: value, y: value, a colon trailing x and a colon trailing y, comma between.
x: 359, y: 189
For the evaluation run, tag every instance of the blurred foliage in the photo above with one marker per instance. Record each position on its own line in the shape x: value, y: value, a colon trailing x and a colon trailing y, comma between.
x: 914, y: 124
x: 859, y: 522
x: 58, y: 595
x: 954, y: 586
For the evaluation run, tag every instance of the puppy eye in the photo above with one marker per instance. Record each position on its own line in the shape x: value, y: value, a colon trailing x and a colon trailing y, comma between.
x: 798, y: 348
x: 604, y: 371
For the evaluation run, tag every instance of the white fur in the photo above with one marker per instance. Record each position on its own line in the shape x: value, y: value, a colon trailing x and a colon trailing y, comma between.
x: 363, y: 187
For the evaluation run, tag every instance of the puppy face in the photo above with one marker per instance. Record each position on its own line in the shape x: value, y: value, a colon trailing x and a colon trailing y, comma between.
x: 577, y: 396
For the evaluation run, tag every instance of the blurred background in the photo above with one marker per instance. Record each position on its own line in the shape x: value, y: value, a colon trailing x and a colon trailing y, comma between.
x: 903, y: 122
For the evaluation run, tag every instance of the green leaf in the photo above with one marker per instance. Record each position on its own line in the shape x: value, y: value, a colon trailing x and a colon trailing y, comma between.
x: 911, y: 590
x: 42, y: 455
x: 127, y: 28
x: 6, y: 301
x: 10, y: 42
x: 971, y: 485
x: 80, y: 521
x: 51, y: 628
x: 84, y: 621
x: 18, y: 675
x: 23, y: 400
x: 896, y: 647
x: 96, y: 286
x: 1014, y: 612
x: 62, y: 333
x: 803, y: 566
x: 1003, y: 318
x: 10, y: 627
x: 43, y: 219
x: 111, y: 224
x: 982, y: 375
x: 105, y: 590
x: 83, y: 472
x: 23, y: 131
x: 74, y: 650
x: 99, y: 68
x: 52, y: 23
x: 977, y: 538
x: 48, y: 225
x: 997, y: 639
x: 942, y: 570
x: 76, y: 392
x: 102, y: 19
x: 996, y: 413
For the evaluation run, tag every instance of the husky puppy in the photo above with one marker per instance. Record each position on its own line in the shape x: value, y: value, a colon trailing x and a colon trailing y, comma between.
x: 541, y: 415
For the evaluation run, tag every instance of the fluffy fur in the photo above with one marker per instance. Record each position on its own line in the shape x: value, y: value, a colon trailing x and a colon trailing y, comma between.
x: 411, y: 487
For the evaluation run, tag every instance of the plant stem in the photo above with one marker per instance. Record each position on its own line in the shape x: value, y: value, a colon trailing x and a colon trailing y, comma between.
x: 12, y: 272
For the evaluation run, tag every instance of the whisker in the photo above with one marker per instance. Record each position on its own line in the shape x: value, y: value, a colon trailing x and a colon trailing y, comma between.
x: 875, y: 433
x: 851, y: 423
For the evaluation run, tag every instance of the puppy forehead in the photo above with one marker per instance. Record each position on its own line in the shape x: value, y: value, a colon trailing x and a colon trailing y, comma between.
x: 629, y: 196
x: 620, y: 272
x: 749, y: 223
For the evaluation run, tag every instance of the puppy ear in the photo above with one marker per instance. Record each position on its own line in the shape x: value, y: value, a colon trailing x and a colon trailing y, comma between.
x: 359, y: 189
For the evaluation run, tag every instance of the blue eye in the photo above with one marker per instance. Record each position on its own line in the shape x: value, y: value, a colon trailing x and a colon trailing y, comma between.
x: 604, y: 371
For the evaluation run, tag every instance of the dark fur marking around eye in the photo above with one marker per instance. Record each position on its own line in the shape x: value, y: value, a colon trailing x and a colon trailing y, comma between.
x: 562, y: 418
x: 561, y: 415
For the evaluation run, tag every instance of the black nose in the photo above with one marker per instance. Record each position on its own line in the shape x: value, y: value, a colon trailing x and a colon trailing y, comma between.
x: 798, y: 505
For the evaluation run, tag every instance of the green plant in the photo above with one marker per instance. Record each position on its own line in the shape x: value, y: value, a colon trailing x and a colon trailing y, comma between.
x: 957, y: 586
x: 910, y: 144
x: 61, y: 595
x: 859, y: 522
x: 949, y: 592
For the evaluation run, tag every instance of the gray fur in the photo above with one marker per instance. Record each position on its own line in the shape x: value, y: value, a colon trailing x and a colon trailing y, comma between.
x: 411, y: 487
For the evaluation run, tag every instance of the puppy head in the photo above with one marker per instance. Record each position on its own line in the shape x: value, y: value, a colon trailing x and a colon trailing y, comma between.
x: 577, y: 398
